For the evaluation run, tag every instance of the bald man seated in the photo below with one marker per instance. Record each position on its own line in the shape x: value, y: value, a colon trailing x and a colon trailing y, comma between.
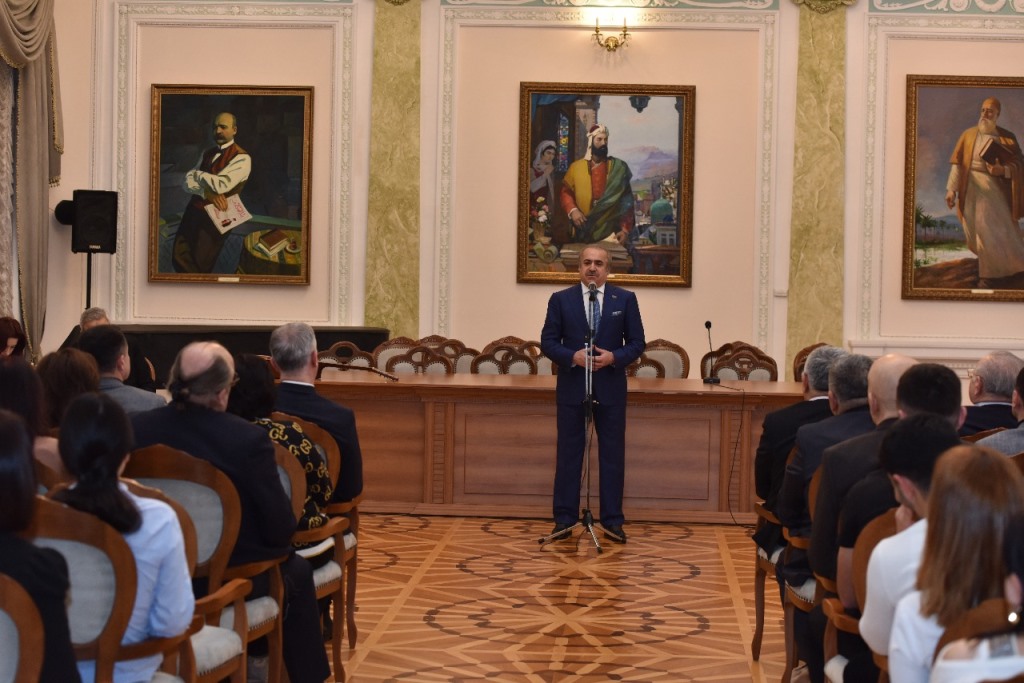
x: 196, y: 422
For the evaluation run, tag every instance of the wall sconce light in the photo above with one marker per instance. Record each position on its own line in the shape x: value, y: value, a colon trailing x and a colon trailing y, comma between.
x: 610, y: 43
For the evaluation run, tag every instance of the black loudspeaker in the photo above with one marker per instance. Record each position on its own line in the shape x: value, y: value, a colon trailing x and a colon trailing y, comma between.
x: 92, y: 215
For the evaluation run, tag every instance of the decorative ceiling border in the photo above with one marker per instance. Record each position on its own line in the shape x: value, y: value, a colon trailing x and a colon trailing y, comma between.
x: 945, y: 7
x: 880, y: 31
x: 765, y: 23
x: 627, y: 4
x: 131, y: 16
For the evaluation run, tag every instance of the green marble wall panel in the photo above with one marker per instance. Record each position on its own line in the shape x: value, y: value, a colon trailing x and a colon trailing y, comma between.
x: 393, y: 225
x: 815, y: 308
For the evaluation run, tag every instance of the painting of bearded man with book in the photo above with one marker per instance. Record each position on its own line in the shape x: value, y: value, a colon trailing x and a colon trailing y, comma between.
x: 986, y: 185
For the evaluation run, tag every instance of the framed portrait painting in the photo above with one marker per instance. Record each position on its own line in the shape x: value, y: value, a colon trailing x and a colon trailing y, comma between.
x: 610, y: 165
x: 964, y: 189
x: 230, y: 184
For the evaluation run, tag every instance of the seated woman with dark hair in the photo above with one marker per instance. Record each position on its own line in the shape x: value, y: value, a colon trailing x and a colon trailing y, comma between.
x: 21, y: 392
x: 96, y: 437
x: 1001, y: 655
x: 42, y: 572
x: 252, y: 398
x: 12, y: 338
x: 66, y: 375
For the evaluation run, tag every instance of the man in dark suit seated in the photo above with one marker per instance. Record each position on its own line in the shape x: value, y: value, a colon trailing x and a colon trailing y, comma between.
x: 293, y: 349
x: 778, y: 433
x: 990, y: 389
x: 195, y: 422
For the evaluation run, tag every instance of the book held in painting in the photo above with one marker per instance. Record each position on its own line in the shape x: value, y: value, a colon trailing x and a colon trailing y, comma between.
x: 993, y: 151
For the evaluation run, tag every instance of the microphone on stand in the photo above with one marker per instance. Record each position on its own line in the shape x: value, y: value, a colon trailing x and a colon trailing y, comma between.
x: 593, y: 291
x: 710, y: 380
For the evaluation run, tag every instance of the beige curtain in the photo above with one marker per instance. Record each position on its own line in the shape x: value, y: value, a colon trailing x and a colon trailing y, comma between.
x: 28, y: 45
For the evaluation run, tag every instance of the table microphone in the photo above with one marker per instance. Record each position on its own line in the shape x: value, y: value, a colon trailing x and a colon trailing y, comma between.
x: 710, y: 380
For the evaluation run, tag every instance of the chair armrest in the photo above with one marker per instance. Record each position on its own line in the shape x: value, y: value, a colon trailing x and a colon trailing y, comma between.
x: 799, y: 542
x: 156, y: 646
x: 251, y: 569
x: 334, y: 527
x: 766, y: 514
x: 234, y: 590
x: 836, y: 613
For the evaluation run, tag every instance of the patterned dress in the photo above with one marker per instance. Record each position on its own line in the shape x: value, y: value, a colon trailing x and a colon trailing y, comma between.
x: 318, y: 479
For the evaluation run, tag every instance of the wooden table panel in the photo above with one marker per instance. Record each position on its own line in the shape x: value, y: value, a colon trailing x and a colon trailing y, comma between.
x: 485, y: 444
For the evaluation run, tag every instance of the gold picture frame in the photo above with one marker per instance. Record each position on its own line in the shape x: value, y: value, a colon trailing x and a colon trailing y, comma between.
x: 230, y: 184
x: 644, y: 215
x: 967, y: 246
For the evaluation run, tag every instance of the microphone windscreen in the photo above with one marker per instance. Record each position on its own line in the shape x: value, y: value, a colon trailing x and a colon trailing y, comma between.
x: 593, y: 288
x: 707, y: 324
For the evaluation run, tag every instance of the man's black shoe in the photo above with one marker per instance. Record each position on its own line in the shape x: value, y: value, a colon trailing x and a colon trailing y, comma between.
x: 615, y: 534
x: 560, y: 532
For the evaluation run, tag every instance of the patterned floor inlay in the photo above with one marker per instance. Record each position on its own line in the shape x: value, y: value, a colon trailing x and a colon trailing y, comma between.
x: 466, y: 599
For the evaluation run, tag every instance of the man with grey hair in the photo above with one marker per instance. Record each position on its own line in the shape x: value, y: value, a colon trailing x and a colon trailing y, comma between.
x: 848, y: 399
x: 990, y: 388
x: 294, y: 353
x: 196, y: 422
x: 778, y: 434
x: 1010, y: 441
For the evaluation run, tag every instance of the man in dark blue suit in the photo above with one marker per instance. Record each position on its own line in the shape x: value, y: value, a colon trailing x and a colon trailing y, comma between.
x: 618, y: 341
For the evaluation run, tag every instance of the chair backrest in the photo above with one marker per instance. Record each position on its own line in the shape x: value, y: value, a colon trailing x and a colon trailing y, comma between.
x: 102, y: 573
x: 188, y: 529
x: 325, y: 444
x: 433, y: 340
x: 205, y: 492
x: 740, y: 361
x: 21, y: 634
x: 514, y: 342
x: 671, y: 356
x: 800, y: 360
x: 419, y: 360
x: 343, y: 353
x: 504, y: 359
x: 978, y: 436
x: 879, y: 528
x: 1018, y: 460
x: 392, y: 347
x: 986, y: 618
x: 458, y: 353
x: 293, y: 478
x: 645, y: 366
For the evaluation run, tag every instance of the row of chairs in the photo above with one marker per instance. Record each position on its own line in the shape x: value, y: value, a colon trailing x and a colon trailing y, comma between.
x: 512, y: 355
x: 103, y: 582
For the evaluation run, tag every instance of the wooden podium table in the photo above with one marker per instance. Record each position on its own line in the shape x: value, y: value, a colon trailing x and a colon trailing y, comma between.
x: 485, y: 444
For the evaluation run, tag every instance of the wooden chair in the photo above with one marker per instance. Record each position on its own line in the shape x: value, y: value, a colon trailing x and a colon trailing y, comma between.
x: 672, y: 357
x: 740, y: 361
x: 419, y: 360
x: 645, y: 366
x: 795, y: 599
x: 349, y: 511
x: 340, y: 356
x: 21, y: 634
x: 504, y: 360
x: 1018, y: 460
x: 212, y: 504
x: 764, y: 567
x: 392, y: 347
x: 986, y: 618
x: 329, y: 579
x: 458, y: 353
x: 800, y: 360
x: 514, y: 342
x: 978, y: 436
x: 433, y: 340
x: 270, y: 364
x: 103, y: 584
x: 876, y: 530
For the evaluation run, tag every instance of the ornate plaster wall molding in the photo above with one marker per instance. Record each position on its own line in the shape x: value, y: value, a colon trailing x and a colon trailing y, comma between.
x: 129, y: 18
x: 978, y: 7
x: 763, y: 22
x: 626, y: 4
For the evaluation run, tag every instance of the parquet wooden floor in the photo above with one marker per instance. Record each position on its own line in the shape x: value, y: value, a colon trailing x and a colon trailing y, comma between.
x: 472, y: 599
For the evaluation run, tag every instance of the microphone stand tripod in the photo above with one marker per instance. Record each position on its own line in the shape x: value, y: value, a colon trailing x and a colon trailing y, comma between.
x: 587, y: 522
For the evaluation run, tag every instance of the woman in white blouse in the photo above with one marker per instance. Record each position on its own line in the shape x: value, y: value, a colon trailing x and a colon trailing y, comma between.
x: 975, y: 492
